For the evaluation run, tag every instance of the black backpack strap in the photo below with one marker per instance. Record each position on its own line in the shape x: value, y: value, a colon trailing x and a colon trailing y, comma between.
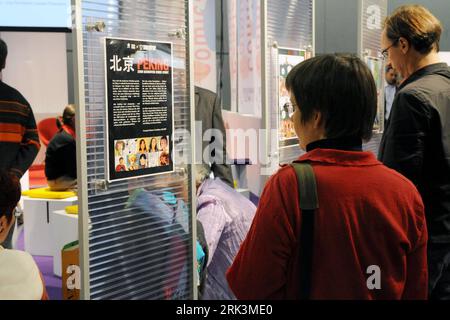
x: 307, y: 189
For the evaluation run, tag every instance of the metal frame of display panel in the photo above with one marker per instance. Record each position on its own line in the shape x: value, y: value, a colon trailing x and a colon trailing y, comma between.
x: 82, y: 168
x: 193, y: 136
x: 83, y: 219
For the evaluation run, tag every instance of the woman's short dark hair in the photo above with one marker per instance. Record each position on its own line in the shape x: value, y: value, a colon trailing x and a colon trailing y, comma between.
x: 416, y: 24
x: 10, y: 192
x: 339, y: 86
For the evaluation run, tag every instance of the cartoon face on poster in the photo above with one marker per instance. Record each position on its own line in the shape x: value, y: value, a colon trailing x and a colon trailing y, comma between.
x: 287, y: 59
x: 141, y: 153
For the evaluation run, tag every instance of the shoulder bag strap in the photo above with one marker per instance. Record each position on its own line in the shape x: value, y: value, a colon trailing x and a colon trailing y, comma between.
x: 307, y: 189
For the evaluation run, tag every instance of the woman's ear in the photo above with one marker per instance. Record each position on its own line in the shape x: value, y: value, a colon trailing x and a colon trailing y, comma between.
x: 4, y: 228
x: 318, y: 120
x: 319, y: 125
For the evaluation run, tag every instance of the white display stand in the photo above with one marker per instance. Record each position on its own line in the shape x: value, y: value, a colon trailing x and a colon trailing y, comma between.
x: 239, y: 171
x: 64, y: 230
x: 25, y: 185
x: 37, y: 223
x: 25, y: 181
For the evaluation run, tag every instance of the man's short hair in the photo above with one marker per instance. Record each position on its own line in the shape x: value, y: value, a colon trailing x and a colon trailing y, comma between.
x: 3, y: 54
x: 68, y: 114
x: 10, y: 192
x: 416, y: 24
x: 342, y: 88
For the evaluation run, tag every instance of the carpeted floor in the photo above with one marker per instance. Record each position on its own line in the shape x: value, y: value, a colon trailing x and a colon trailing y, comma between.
x: 45, y: 264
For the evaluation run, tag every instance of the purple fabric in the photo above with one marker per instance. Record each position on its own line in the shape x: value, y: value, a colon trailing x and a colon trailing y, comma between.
x: 254, y: 199
x: 53, y: 284
x: 226, y: 217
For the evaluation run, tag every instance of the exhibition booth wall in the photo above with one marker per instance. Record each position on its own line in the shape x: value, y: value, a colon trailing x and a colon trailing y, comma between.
x: 126, y: 251
x: 437, y: 7
x: 41, y: 59
x: 136, y: 229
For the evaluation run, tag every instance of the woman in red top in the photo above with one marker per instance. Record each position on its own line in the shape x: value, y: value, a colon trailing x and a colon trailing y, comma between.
x: 370, y: 234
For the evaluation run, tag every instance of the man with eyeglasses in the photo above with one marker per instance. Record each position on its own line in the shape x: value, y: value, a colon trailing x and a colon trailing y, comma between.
x: 416, y: 141
x: 20, y: 278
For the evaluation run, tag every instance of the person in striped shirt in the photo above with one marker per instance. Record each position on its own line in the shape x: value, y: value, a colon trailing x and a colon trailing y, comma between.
x: 19, y: 140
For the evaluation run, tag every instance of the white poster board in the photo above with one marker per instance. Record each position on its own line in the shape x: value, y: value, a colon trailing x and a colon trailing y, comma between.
x: 37, y: 66
x: 244, y: 37
x: 233, y: 51
x: 249, y: 57
x: 205, y: 44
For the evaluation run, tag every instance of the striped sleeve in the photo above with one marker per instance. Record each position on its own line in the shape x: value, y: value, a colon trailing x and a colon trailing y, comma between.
x: 29, y: 147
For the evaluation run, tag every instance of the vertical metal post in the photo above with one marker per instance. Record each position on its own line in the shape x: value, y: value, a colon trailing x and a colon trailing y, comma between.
x: 313, y: 28
x: 265, y: 86
x: 83, y: 213
x: 360, y: 29
x: 190, y: 75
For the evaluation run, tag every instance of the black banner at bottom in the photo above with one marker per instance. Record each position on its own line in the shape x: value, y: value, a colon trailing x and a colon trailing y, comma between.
x: 234, y: 310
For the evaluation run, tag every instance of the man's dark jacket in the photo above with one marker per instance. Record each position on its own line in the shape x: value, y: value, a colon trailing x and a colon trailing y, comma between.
x: 61, y: 157
x: 208, y: 111
x: 416, y: 142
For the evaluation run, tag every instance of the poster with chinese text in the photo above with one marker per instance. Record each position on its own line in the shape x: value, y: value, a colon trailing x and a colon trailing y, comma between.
x: 139, y: 108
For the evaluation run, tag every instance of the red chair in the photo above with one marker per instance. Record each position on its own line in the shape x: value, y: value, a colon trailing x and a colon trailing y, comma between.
x: 36, y: 176
x: 47, y: 128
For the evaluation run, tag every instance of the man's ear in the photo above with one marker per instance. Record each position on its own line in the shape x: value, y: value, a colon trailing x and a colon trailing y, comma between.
x: 404, y: 45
